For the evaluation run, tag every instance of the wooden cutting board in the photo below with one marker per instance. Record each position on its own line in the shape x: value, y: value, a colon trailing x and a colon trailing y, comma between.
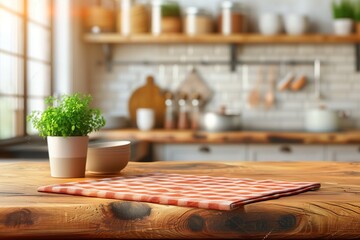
x: 148, y: 96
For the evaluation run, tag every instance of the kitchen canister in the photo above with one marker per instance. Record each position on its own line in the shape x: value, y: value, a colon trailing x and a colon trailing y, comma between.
x: 197, y: 21
x: 231, y: 19
x: 99, y: 19
x: 132, y: 18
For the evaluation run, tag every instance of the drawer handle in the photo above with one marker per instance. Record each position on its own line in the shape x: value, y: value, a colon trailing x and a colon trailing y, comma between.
x: 204, y: 149
x: 285, y: 149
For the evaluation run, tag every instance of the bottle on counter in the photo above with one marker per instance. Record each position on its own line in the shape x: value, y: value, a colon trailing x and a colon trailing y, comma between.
x: 183, y: 118
x: 170, y: 112
x: 195, y: 111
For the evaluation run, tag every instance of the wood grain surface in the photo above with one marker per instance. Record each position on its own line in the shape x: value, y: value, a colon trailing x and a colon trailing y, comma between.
x: 333, y: 212
x: 177, y: 136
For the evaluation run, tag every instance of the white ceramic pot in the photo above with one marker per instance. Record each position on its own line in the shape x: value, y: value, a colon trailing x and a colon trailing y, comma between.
x: 296, y: 24
x: 270, y: 24
x: 67, y: 156
x: 220, y: 122
x: 343, y: 26
x: 322, y: 120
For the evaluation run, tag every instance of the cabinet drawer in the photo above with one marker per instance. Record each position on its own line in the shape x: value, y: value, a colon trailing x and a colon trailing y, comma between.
x: 341, y: 153
x: 199, y: 152
x: 285, y: 152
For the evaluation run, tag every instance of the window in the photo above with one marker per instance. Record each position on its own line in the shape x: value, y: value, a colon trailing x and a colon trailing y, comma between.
x: 25, y: 63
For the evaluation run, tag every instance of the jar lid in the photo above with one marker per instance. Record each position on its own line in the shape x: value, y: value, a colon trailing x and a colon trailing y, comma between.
x: 196, y: 11
x: 231, y: 5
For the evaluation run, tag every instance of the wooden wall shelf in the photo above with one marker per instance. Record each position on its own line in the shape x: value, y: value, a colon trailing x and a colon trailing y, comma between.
x: 108, y: 39
x: 240, y: 137
x: 115, y: 38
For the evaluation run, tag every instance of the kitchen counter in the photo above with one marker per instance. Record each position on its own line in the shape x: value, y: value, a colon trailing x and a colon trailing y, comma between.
x: 331, y: 212
x: 176, y: 136
x: 36, y: 148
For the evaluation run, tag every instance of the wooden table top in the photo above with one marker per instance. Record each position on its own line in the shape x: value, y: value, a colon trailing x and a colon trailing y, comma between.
x: 188, y: 136
x: 331, y: 212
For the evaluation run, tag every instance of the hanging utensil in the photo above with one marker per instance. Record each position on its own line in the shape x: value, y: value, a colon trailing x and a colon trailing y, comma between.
x: 194, y: 84
x: 254, y: 97
x: 270, y: 95
x: 317, y: 76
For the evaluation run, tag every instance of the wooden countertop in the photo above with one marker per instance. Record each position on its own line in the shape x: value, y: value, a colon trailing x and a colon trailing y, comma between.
x: 176, y: 136
x: 331, y: 212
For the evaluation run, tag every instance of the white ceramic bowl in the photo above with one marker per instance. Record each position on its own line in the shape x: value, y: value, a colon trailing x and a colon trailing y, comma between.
x: 108, y: 157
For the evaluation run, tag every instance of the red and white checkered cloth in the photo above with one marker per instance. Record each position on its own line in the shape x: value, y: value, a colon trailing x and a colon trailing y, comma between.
x: 220, y: 193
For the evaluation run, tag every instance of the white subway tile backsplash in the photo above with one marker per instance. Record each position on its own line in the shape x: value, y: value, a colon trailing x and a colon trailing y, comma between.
x: 340, y: 84
x: 339, y: 87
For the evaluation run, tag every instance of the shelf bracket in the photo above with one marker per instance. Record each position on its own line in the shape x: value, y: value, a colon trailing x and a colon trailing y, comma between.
x: 233, y: 57
x: 108, y: 56
x: 357, y: 56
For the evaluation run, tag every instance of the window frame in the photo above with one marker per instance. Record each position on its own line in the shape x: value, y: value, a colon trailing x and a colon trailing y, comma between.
x: 25, y: 58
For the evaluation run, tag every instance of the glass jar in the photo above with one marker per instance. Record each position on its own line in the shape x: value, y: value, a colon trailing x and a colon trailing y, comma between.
x: 132, y: 17
x: 197, y: 21
x: 231, y: 19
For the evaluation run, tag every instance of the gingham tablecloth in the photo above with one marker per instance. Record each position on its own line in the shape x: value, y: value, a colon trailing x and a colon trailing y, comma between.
x: 220, y: 193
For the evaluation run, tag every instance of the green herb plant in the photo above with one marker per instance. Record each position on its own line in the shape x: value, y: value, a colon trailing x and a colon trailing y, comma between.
x: 357, y: 10
x: 170, y: 9
x: 342, y: 9
x: 67, y: 115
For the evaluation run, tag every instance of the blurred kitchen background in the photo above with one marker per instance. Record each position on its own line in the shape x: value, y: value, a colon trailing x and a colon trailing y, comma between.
x: 339, y: 78
x: 294, y: 60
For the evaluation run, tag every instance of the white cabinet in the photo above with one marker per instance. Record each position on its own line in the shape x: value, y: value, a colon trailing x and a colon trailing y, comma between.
x: 285, y: 152
x: 255, y: 152
x: 199, y: 152
x: 343, y: 153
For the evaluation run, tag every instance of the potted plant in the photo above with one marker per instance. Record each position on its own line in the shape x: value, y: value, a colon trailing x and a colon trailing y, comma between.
x: 357, y: 15
x: 343, y: 14
x: 66, y: 123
